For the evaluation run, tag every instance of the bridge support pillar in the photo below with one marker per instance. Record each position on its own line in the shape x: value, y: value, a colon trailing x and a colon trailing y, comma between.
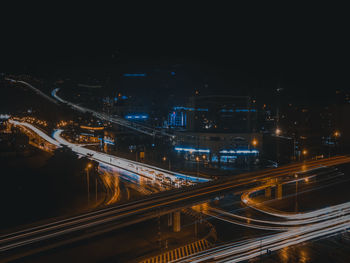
x: 268, y: 192
x: 176, y: 221
x: 170, y: 219
x: 279, y: 192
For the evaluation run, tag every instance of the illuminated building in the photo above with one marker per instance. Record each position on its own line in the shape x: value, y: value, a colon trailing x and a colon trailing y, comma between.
x: 222, y: 128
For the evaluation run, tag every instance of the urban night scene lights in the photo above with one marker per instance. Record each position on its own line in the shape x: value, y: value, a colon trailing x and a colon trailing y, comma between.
x: 223, y: 140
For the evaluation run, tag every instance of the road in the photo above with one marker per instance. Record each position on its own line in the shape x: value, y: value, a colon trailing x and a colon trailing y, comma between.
x: 115, y: 119
x: 152, y: 206
x: 153, y: 173
x: 294, y: 228
x: 288, y: 228
x: 145, y: 170
x: 36, y: 90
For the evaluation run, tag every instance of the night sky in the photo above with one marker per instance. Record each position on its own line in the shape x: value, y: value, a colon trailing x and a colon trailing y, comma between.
x: 304, y: 51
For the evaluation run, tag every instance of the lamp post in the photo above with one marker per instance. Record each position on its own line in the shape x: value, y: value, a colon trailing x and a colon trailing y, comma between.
x: 278, y: 131
x: 204, y: 159
x: 88, y: 181
x: 304, y: 152
x: 336, y: 136
x: 254, y: 142
x: 96, y: 189
x: 197, y: 160
x: 164, y: 159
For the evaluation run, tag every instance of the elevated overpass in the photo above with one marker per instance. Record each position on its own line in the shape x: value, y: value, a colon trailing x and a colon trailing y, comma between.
x: 104, y: 220
x: 115, y: 119
x: 150, y: 172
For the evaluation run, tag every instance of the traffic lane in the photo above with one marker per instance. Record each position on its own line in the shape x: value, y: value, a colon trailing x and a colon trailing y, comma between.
x: 311, y: 197
x: 164, y: 202
x: 217, y: 186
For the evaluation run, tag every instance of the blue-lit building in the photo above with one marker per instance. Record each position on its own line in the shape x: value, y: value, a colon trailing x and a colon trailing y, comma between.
x: 137, y: 117
x: 217, y: 129
x: 178, y: 117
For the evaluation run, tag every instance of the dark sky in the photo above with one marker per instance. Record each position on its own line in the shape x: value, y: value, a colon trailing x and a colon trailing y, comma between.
x: 305, y: 47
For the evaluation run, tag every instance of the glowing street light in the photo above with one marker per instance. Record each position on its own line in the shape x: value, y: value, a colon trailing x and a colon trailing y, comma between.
x: 88, y: 167
x: 197, y: 160
x: 254, y: 142
x: 278, y: 131
x: 336, y: 134
x: 304, y: 152
x: 164, y: 159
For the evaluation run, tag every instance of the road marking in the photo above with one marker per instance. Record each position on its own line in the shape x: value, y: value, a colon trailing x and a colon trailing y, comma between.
x: 181, y: 252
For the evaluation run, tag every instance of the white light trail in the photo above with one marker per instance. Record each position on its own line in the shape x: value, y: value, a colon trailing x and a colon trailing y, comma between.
x: 145, y: 170
x: 117, y: 120
x: 37, y: 131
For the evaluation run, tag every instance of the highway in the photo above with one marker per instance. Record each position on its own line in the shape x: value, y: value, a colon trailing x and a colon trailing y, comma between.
x: 147, y: 171
x: 36, y: 90
x: 293, y: 228
x: 290, y: 231
x: 152, y: 206
x: 115, y: 119
x: 244, y: 250
x: 36, y: 130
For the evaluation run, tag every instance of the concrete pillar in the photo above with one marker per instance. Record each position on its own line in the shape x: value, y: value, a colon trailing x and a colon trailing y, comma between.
x: 176, y: 221
x: 268, y: 192
x: 279, y: 191
x: 170, y: 219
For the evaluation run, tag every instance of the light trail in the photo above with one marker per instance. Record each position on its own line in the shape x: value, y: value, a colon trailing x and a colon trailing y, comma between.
x: 150, y: 207
x: 37, y: 91
x: 145, y: 170
x: 313, y: 225
x: 243, y: 251
x: 112, y: 185
x: 37, y: 131
x: 140, y: 207
x: 288, y: 215
x: 117, y: 120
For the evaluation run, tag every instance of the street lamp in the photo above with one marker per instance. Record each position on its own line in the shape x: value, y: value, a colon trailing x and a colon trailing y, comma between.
x: 88, y: 167
x: 254, y: 142
x: 336, y: 136
x: 304, y: 152
x: 197, y: 160
x: 278, y: 131
x: 164, y: 159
